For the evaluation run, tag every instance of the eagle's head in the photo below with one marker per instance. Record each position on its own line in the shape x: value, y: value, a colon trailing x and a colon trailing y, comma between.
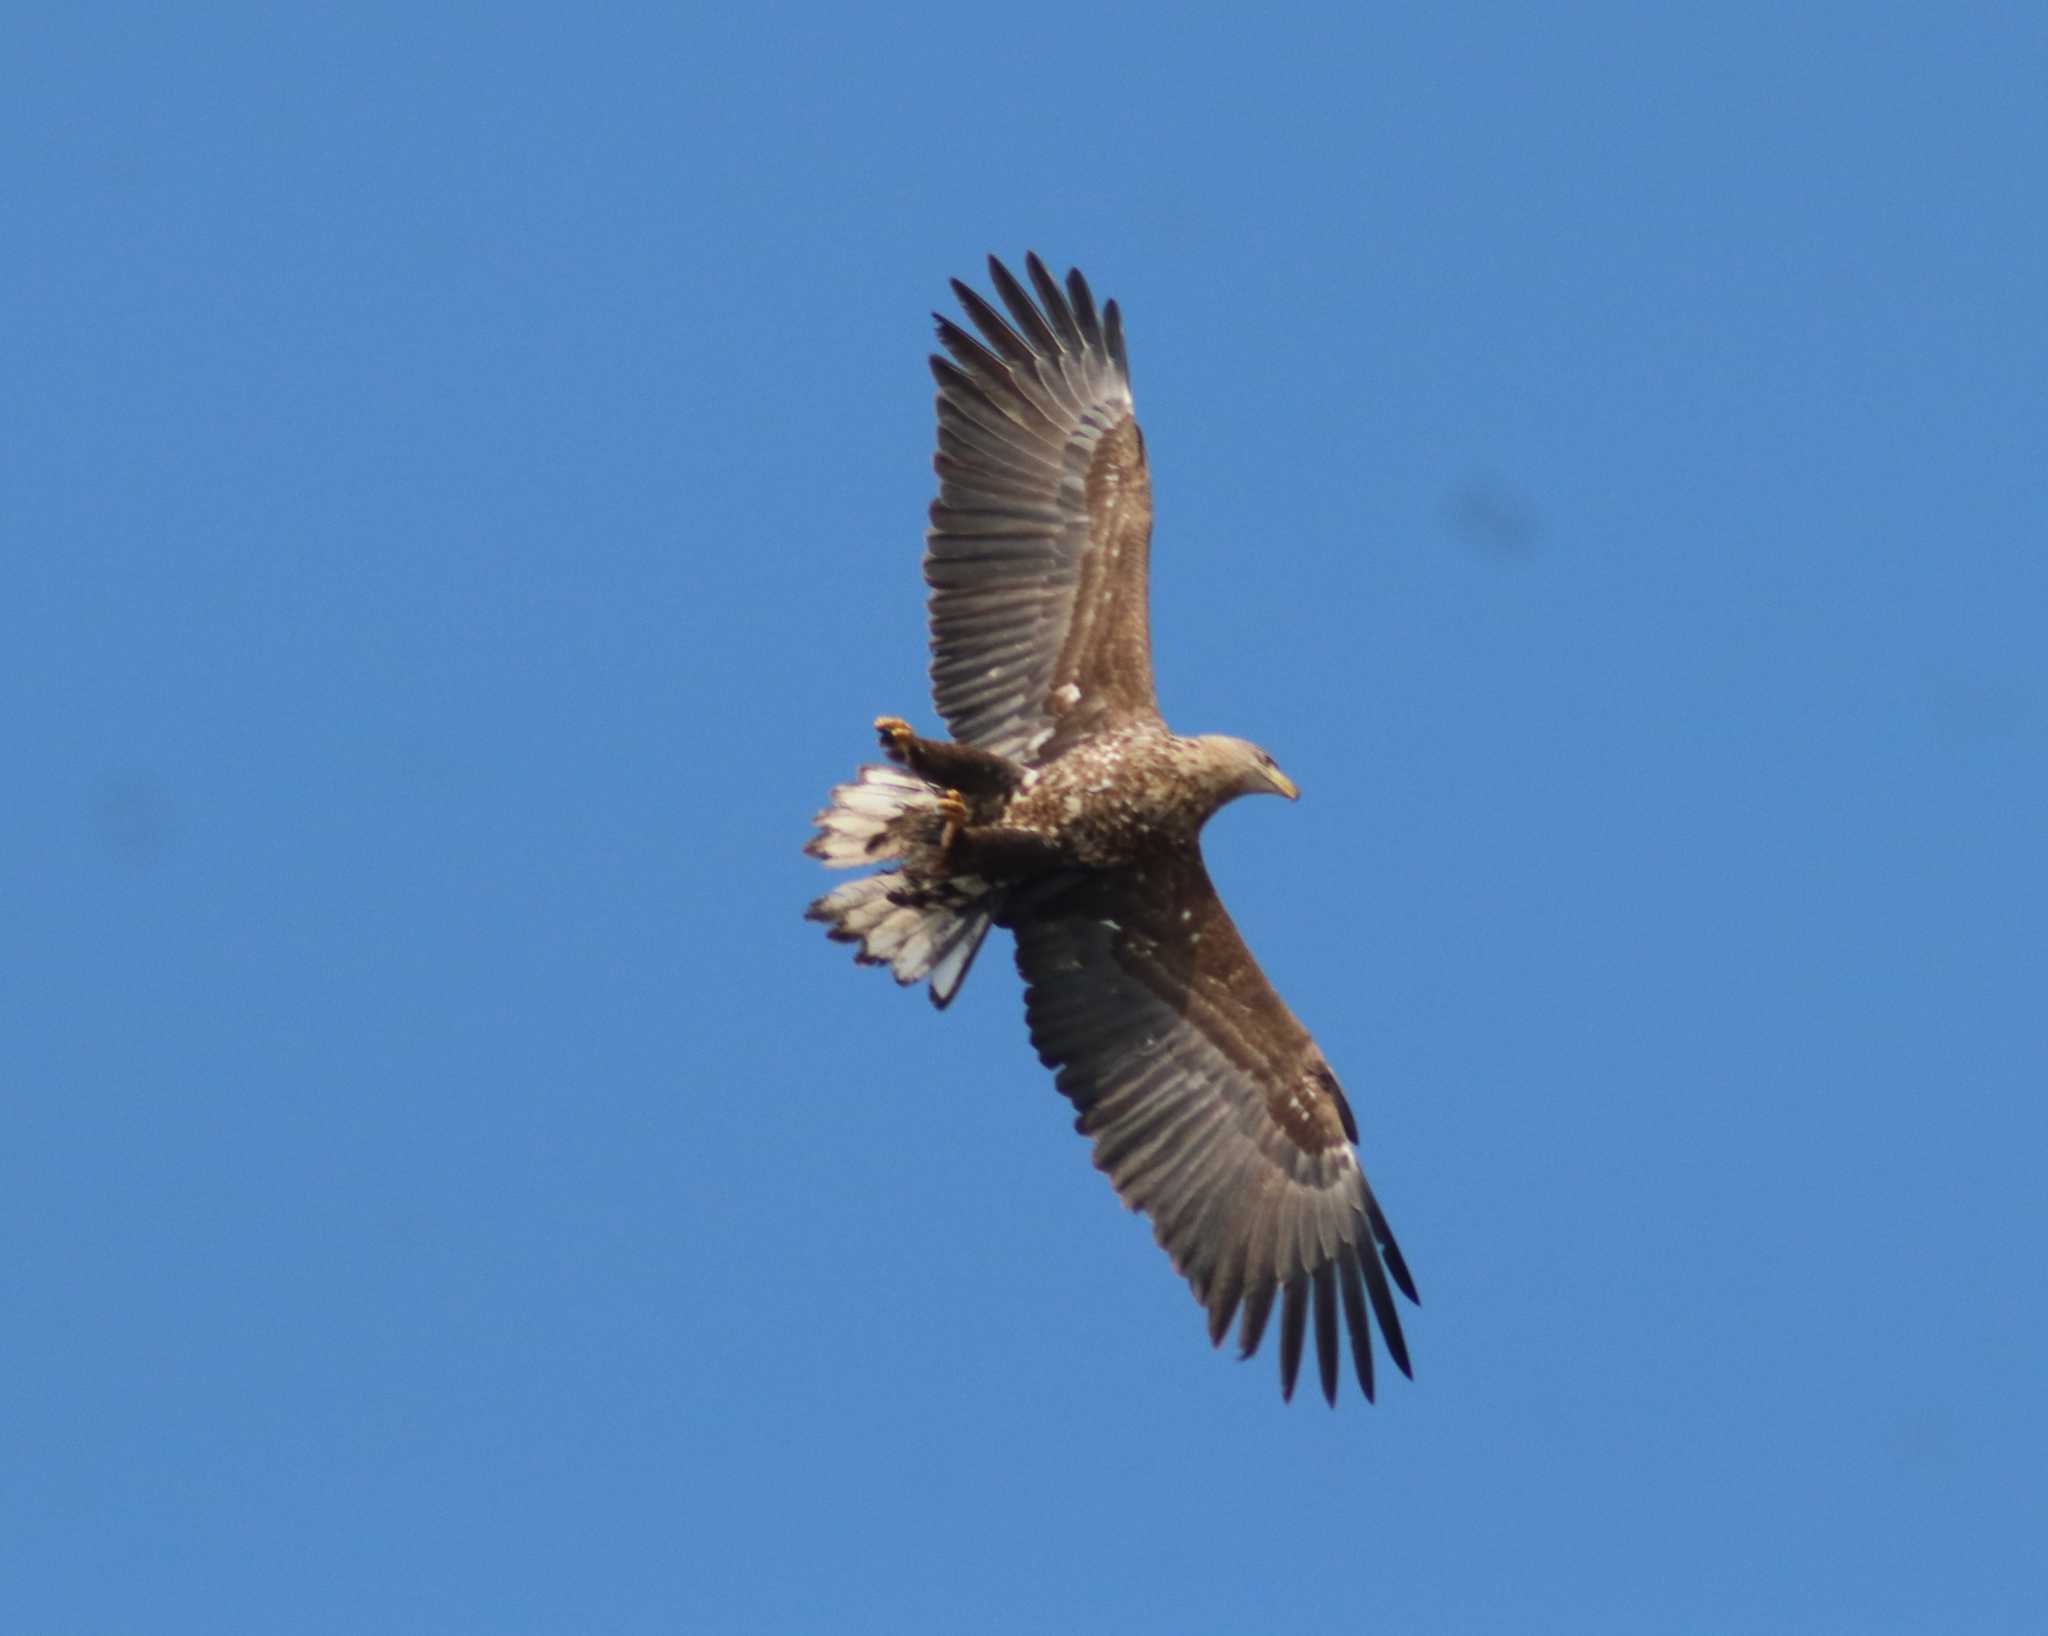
x: 1235, y: 766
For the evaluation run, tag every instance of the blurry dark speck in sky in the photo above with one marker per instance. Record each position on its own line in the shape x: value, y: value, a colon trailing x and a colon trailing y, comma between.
x: 131, y: 817
x: 1491, y: 516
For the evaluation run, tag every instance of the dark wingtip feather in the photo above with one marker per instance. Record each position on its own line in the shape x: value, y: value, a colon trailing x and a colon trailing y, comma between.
x: 1027, y: 317
x: 1402, y: 1277
x: 1258, y: 1307
x: 1383, y: 1308
x: 1222, y: 1297
x: 1391, y: 1251
x: 1082, y: 300
x: 972, y: 356
x: 1054, y: 303
x: 992, y: 324
x: 1355, y: 1321
x: 1293, y: 1324
x: 1326, y: 1331
x: 1113, y: 336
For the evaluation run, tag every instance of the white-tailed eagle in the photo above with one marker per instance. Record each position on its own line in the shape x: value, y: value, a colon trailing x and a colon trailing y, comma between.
x: 1065, y: 810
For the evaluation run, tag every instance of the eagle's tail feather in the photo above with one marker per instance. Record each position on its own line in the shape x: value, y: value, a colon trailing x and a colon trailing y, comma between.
x: 917, y: 924
x: 875, y: 819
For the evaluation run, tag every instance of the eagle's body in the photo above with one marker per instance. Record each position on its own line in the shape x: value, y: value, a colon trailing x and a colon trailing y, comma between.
x: 1113, y: 797
x: 1066, y: 811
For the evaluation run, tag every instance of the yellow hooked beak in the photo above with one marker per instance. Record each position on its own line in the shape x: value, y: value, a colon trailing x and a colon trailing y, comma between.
x: 1285, y: 785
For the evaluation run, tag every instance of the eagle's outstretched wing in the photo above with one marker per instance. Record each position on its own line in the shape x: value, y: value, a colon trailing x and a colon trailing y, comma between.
x: 1210, y: 1108
x: 1038, y: 539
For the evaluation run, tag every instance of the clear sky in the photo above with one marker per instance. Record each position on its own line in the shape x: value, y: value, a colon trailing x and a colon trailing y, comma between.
x: 464, y: 485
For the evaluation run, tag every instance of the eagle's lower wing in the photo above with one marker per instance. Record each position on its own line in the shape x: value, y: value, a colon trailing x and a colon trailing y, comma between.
x: 1210, y: 1108
x: 1036, y: 553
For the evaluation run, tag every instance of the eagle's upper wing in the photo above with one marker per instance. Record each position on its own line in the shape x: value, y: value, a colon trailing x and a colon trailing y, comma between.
x: 1038, y: 539
x: 1210, y: 1107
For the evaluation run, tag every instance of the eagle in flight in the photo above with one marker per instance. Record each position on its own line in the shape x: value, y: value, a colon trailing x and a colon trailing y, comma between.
x: 1064, y: 809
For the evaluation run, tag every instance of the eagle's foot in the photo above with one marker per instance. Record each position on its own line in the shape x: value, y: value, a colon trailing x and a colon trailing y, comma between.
x: 896, y: 738
x: 952, y: 811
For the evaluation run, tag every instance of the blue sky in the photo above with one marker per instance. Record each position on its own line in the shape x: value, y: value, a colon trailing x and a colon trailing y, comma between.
x: 464, y: 488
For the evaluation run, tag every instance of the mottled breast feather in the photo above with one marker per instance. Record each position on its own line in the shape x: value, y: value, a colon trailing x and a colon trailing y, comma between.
x: 1036, y: 555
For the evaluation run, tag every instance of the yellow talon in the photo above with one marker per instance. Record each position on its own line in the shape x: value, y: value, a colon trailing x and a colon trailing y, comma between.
x: 896, y: 736
x: 952, y: 810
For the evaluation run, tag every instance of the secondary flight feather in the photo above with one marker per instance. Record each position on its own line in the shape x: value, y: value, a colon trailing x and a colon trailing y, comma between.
x: 1065, y: 810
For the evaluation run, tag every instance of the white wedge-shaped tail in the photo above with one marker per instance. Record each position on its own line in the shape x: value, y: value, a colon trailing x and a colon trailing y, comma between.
x: 917, y: 922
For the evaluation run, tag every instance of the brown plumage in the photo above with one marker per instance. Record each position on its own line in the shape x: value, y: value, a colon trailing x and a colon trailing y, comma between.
x: 1065, y: 810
